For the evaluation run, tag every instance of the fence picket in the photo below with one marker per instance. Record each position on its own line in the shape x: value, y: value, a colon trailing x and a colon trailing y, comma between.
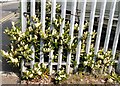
x: 32, y: 12
x: 100, y: 24
x: 72, y: 20
x: 53, y: 12
x: 63, y: 13
x: 23, y: 23
x: 91, y: 22
x: 116, y: 38
x: 33, y: 56
x: 32, y: 7
x: 81, y: 26
x: 109, y: 27
x: 43, y: 11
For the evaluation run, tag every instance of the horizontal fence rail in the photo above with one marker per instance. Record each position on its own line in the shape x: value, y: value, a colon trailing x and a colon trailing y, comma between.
x: 73, y: 18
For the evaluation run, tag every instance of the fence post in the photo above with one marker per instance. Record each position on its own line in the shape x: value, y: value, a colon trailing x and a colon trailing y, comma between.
x: 32, y: 12
x: 100, y: 24
x: 81, y: 27
x: 23, y: 23
x: 53, y: 11
x: 43, y: 11
x: 72, y: 20
x: 63, y: 13
x: 91, y: 22
x: 109, y: 27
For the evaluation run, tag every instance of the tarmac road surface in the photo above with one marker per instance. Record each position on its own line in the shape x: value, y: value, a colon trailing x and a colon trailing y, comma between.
x: 8, y: 12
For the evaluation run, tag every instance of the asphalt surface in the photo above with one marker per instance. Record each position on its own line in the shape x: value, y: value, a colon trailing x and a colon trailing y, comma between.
x: 9, y: 7
x: 8, y: 14
x: 8, y: 10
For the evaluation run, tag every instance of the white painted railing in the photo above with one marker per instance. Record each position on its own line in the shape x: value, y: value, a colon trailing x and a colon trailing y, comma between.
x: 109, y: 27
x: 91, y: 23
x: 63, y: 13
x: 81, y: 27
x: 32, y: 13
x: 43, y: 11
x: 71, y: 33
x: 73, y: 12
x: 100, y: 24
x: 24, y: 25
x: 116, y: 38
x: 53, y: 12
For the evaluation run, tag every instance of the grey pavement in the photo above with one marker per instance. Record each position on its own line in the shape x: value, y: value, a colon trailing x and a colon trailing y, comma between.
x: 8, y: 8
x: 9, y: 78
x: 8, y: 74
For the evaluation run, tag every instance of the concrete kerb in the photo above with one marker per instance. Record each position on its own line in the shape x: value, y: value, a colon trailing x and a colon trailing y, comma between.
x: 9, y: 78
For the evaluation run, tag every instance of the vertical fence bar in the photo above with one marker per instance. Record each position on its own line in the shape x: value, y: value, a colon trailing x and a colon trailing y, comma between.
x: 32, y: 8
x: 23, y: 22
x: 32, y: 12
x: 116, y: 38
x: 72, y: 20
x: 1, y: 42
x: 91, y: 22
x: 81, y: 26
x: 109, y: 27
x: 100, y: 24
x: 63, y: 13
x: 23, y: 19
x: 43, y: 11
x: 53, y: 12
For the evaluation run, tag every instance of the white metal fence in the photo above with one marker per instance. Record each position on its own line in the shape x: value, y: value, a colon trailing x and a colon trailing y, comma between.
x: 71, y: 33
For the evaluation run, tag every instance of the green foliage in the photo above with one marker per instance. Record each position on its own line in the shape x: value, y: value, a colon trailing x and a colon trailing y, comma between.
x: 115, y: 77
x: 38, y: 71
x: 60, y: 76
x: 21, y: 42
x: 102, y: 62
